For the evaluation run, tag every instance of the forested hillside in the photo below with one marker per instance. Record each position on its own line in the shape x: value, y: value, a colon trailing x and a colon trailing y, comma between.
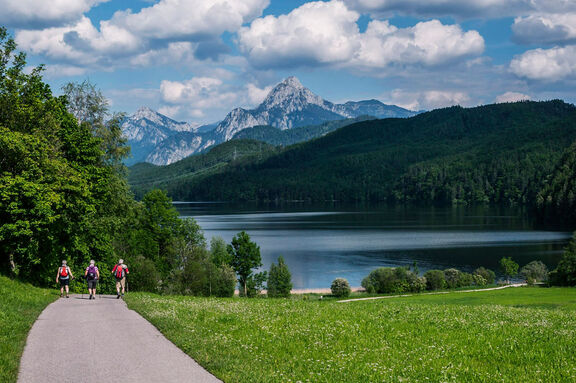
x: 275, y: 136
x: 144, y: 177
x: 490, y: 154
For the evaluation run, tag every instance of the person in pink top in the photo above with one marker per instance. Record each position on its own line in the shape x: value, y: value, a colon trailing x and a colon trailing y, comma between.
x: 120, y: 271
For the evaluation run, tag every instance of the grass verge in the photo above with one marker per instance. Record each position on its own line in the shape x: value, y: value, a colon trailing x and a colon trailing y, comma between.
x: 513, y: 335
x: 20, y: 305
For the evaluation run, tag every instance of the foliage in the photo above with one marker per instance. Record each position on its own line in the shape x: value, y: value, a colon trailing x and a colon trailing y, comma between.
x: 279, y: 280
x: 386, y: 280
x: 510, y: 335
x: 20, y: 306
x: 435, y: 280
x: 245, y: 256
x: 556, y: 201
x: 487, y: 275
x: 509, y: 267
x: 497, y: 154
x: 255, y: 283
x: 224, y: 281
x: 535, y: 271
x: 565, y: 273
x: 143, y: 275
x: 62, y: 193
x: 218, y: 252
x: 340, y: 288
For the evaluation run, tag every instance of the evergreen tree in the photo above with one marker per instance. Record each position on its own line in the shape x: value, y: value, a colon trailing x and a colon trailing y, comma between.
x: 279, y: 280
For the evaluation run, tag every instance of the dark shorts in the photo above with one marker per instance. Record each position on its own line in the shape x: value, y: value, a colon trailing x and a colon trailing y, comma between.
x: 64, y: 282
x: 92, y: 283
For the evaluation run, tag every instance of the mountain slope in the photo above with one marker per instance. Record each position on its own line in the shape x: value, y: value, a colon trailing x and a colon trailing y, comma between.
x: 495, y: 153
x: 146, y: 128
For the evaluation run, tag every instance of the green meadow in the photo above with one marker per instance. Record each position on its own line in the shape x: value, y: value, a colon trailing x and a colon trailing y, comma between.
x: 512, y: 335
x: 20, y: 305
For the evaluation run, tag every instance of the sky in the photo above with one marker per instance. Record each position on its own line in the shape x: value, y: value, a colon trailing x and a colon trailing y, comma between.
x: 195, y: 60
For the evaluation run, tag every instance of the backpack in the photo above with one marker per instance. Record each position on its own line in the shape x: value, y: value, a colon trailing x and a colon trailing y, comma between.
x: 64, y: 271
x: 119, y: 272
x: 91, y: 273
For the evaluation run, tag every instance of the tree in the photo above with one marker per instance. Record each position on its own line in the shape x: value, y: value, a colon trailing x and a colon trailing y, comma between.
x: 487, y: 275
x: 279, y: 280
x: 218, y: 252
x: 565, y: 273
x: 535, y: 271
x: 340, y: 288
x: 509, y: 267
x: 245, y: 256
x: 435, y: 280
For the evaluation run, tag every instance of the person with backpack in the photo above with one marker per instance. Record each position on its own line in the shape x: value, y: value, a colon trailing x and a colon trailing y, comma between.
x: 92, y: 275
x: 120, y: 271
x: 63, y: 276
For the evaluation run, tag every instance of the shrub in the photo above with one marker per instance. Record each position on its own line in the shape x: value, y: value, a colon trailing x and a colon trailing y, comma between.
x: 452, y: 277
x: 479, y: 280
x: 488, y: 275
x: 224, y: 281
x: 279, y: 280
x: 385, y: 280
x: 435, y: 280
x: 340, y: 288
x: 143, y: 275
x: 535, y: 271
x: 565, y: 273
x: 509, y: 267
x: 255, y: 284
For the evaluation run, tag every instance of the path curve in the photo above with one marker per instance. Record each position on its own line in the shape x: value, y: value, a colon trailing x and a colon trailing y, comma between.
x: 439, y: 292
x: 101, y: 340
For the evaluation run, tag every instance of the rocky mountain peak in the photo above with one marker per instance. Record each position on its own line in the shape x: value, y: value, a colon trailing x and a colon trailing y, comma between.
x: 290, y: 95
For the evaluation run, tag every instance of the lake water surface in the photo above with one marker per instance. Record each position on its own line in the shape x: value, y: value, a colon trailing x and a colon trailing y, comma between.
x: 321, y: 243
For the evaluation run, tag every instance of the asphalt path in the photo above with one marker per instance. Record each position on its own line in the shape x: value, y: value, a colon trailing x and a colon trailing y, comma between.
x: 101, y: 340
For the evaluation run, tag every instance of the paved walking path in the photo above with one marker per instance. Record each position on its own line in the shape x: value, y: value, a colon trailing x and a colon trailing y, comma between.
x: 80, y: 340
x: 439, y: 292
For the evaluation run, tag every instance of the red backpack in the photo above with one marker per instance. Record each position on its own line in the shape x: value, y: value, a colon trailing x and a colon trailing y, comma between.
x: 119, y: 271
x: 64, y: 271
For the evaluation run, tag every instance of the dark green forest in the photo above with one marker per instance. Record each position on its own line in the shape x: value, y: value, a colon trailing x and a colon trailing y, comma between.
x: 496, y: 154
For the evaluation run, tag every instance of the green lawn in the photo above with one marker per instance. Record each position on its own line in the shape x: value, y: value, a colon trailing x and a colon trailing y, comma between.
x: 513, y: 335
x: 20, y: 305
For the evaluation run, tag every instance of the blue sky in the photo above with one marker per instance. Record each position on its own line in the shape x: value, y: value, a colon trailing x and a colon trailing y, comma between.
x: 195, y: 60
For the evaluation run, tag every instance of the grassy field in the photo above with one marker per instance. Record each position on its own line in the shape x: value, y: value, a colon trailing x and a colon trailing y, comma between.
x: 20, y: 305
x: 513, y: 335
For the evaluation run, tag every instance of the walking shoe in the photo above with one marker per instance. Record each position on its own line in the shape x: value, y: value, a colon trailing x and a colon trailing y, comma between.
x: 118, y: 297
x: 90, y: 297
x: 67, y: 296
x: 60, y: 295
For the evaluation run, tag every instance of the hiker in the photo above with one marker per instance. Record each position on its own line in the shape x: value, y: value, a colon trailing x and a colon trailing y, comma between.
x: 92, y: 275
x: 120, y: 271
x: 63, y: 276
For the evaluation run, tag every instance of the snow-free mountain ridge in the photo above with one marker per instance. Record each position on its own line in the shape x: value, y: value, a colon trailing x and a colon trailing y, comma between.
x: 160, y: 140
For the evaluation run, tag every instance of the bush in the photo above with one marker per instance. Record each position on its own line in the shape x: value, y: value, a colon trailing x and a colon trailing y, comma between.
x: 386, y: 280
x: 143, y: 275
x: 224, y: 281
x: 535, y: 271
x: 279, y: 280
x: 452, y: 277
x: 435, y: 280
x: 340, y: 288
x: 479, y: 280
x: 488, y: 275
x: 565, y: 273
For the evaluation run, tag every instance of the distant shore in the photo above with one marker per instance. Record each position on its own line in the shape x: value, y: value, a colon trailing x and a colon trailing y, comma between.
x: 312, y: 291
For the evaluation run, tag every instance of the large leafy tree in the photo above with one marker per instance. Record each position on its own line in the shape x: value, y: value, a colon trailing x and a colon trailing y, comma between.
x: 245, y: 257
x: 61, y: 186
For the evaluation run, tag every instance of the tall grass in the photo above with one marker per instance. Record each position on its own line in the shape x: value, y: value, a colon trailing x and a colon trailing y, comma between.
x: 515, y: 335
x: 20, y: 305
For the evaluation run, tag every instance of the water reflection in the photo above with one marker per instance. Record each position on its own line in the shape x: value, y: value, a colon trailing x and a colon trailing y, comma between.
x: 320, y: 243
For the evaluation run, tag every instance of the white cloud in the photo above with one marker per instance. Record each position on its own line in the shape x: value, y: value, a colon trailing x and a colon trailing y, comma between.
x: 36, y: 14
x: 553, y: 64
x: 199, y: 94
x: 545, y: 29
x: 170, y: 111
x: 459, y: 8
x: 511, y: 97
x: 170, y: 29
x: 170, y: 19
x: 256, y: 95
x: 322, y: 33
x: 428, y: 100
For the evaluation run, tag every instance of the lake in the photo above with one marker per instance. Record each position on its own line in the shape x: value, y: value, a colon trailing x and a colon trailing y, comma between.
x: 322, y: 242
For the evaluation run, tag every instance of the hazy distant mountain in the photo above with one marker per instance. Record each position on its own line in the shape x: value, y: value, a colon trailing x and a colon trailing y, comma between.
x: 290, y: 105
x: 146, y: 129
x: 159, y: 140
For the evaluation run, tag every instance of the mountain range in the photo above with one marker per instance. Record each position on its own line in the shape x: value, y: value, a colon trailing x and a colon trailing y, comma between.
x: 159, y: 140
x: 499, y: 154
